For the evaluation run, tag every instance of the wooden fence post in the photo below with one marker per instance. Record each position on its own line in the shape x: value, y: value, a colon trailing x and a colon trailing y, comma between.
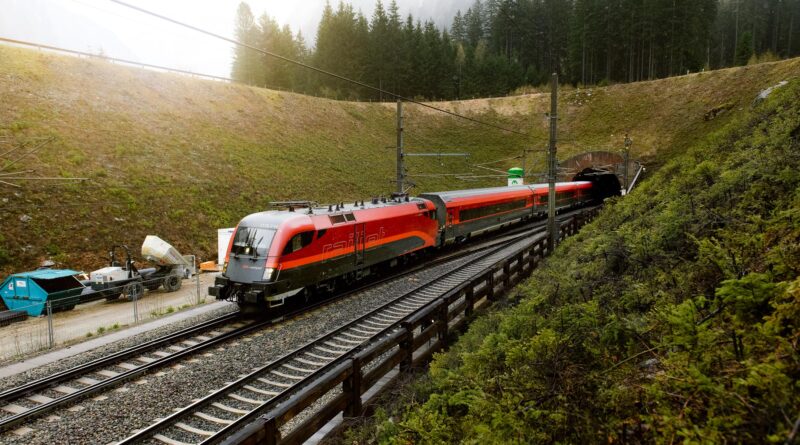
x: 407, y: 346
x: 520, y: 267
x: 490, y: 284
x: 352, y: 387
x: 442, y: 327
x: 469, y: 296
x: 272, y: 434
x: 507, y: 276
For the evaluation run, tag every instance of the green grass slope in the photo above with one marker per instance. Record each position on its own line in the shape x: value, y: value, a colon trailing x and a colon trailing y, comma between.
x: 673, y: 318
x: 179, y: 157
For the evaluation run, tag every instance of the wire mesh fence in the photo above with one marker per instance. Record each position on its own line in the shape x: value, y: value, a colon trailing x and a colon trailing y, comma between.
x: 74, y: 315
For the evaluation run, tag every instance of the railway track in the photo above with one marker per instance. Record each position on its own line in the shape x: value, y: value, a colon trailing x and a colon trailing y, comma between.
x: 41, y: 396
x: 44, y: 395
x: 214, y: 417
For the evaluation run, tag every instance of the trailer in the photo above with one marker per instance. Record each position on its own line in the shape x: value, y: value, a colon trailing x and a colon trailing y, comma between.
x: 126, y: 279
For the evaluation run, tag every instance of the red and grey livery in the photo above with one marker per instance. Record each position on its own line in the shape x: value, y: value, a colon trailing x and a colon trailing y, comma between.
x: 276, y: 255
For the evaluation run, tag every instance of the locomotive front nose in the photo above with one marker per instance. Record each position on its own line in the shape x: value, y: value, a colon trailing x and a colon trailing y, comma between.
x: 247, y: 262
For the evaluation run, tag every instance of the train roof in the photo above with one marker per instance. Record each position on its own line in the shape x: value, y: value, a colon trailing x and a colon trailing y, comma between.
x: 333, y: 209
x: 298, y: 216
x: 271, y: 219
x: 455, y: 194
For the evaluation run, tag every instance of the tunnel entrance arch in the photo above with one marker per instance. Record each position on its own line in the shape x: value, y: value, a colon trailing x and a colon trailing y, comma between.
x: 604, y: 184
x: 607, y: 170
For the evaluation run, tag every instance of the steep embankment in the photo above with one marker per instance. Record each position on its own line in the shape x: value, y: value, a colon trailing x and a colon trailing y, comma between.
x: 179, y: 157
x: 673, y: 318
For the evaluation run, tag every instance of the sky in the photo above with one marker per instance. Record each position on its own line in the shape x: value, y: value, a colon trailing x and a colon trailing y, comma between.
x: 102, y: 26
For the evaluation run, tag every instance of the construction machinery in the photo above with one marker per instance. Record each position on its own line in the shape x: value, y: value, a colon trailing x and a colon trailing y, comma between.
x: 126, y: 279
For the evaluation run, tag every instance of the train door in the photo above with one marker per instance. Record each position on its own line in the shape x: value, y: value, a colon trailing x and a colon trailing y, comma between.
x: 360, y: 243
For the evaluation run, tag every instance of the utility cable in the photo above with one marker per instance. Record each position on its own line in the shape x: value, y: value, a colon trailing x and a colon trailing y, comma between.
x: 313, y: 68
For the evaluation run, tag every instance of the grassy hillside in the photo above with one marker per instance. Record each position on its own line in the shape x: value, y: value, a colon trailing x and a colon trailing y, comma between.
x: 677, y: 319
x: 179, y: 157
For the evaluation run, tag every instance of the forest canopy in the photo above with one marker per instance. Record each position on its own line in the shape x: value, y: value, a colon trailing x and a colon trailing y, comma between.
x: 497, y: 46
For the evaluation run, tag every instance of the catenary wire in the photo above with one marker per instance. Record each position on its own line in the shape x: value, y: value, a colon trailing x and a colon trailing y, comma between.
x: 313, y: 68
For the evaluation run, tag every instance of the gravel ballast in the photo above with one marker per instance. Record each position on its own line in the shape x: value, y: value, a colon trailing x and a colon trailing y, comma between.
x: 114, y: 415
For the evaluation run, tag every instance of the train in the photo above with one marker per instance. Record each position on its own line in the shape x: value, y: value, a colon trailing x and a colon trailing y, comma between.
x: 278, y: 255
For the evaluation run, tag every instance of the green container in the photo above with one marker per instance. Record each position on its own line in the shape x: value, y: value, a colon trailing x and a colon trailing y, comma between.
x: 515, y: 176
x: 515, y: 172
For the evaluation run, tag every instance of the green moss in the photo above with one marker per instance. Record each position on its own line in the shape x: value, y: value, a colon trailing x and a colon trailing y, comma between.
x: 672, y: 318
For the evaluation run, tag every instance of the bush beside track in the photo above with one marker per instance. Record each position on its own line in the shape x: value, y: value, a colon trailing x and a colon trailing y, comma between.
x: 672, y: 318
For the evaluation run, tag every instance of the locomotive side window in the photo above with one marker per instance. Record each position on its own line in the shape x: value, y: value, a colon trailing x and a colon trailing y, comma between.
x: 339, y: 219
x: 298, y: 242
x: 321, y: 233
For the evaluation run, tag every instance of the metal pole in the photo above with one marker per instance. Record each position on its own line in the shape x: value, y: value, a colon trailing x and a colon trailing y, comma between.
x: 197, y: 278
x: 50, y: 333
x: 135, y: 309
x: 552, y: 229
x: 400, y: 167
x: 626, y: 156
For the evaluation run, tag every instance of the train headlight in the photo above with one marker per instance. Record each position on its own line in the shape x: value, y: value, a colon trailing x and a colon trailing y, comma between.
x: 269, y: 272
x: 224, y: 267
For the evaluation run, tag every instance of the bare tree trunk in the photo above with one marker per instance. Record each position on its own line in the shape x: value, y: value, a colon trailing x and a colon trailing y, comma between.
x: 736, y: 33
x: 650, y: 61
x: 672, y: 40
x: 777, y: 28
x: 791, y: 35
x: 583, y: 55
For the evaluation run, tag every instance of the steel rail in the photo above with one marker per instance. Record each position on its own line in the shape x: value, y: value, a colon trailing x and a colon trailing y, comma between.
x: 112, y: 360
x: 102, y: 385
x: 69, y: 374
x: 420, y: 295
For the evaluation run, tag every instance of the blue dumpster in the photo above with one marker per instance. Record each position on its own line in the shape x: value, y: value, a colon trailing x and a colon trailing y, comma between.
x: 30, y: 291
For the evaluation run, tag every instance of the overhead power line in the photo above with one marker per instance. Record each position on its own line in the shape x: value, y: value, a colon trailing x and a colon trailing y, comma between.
x: 313, y: 68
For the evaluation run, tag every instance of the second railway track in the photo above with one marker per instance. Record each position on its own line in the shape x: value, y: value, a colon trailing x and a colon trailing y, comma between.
x: 39, y: 398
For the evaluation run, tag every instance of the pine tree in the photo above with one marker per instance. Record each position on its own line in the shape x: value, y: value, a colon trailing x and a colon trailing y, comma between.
x: 458, y: 28
x: 499, y: 45
x: 246, y: 66
x: 378, y: 71
x: 744, y: 49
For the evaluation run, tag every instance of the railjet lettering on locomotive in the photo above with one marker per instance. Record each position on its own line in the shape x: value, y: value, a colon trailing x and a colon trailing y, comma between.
x: 276, y: 255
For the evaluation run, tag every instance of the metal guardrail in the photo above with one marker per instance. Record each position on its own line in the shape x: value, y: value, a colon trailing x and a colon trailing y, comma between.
x: 407, y: 347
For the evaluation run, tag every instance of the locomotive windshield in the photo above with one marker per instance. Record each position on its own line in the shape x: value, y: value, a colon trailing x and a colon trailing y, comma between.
x: 252, y: 241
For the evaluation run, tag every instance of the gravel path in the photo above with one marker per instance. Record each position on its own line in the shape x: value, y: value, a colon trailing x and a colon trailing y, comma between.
x: 114, y: 415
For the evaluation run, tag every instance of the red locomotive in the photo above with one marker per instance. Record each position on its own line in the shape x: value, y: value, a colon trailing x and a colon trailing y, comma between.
x: 276, y: 255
